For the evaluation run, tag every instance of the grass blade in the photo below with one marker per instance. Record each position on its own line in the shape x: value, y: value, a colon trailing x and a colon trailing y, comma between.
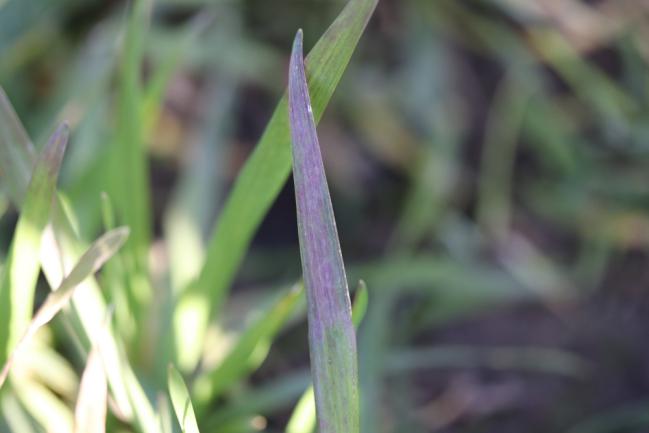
x: 303, y: 418
x: 251, y: 348
x: 20, y: 273
x: 92, y: 402
x: 44, y: 406
x: 264, y: 174
x: 130, y: 174
x: 182, y: 403
x: 332, y: 340
x: 60, y: 253
x: 14, y: 160
x: 100, y: 251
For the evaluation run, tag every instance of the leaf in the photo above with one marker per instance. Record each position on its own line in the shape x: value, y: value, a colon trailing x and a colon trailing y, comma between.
x: 15, y: 161
x: 91, y: 407
x: 332, y: 340
x: 182, y: 403
x: 100, y: 251
x: 20, y: 273
x: 48, y: 410
x: 251, y: 348
x: 130, y: 173
x: 265, y: 173
x: 61, y: 252
x: 359, y: 308
x: 143, y: 411
x: 303, y: 418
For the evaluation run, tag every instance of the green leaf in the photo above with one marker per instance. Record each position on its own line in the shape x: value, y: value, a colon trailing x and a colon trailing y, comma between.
x: 182, y: 43
x: 251, y: 348
x: 15, y: 160
x: 303, y: 418
x: 261, y: 179
x: 100, y: 251
x: 48, y: 410
x: 130, y: 171
x: 361, y: 300
x: 20, y: 273
x: 91, y: 407
x: 181, y: 402
x: 60, y: 252
x: 144, y: 414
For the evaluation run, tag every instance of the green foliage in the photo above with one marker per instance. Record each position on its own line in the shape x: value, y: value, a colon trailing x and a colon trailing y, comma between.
x: 120, y: 351
x: 181, y: 402
x: 480, y: 155
x: 20, y: 272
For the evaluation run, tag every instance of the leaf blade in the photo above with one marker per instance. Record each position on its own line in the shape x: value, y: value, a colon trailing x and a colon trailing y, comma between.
x: 332, y: 340
x: 268, y: 168
x: 91, y: 408
x: 98, y: 253
x: 245, y: 357
x: 181, y: 402
x: 20, y: 274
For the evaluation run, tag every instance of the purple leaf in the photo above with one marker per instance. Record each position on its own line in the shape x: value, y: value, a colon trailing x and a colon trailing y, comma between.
x: 332, y: 340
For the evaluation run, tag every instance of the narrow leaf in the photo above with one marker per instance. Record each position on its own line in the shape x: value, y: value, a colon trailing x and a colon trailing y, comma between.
x: 182, y: 403
x: 52, y: 414
x: 92, y: 402
x: 98, y: 253
x: 15, y: 160
x: 303, y: 418
x: 130, y: 173
x: 20, y: 273
x: 65, y: 249
x: 332, y: 340
x: 267, y: 169
x: 359, y: 308
x: 250, y: 349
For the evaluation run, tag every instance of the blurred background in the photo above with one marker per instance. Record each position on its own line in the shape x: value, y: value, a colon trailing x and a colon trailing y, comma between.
x: 488, y: 162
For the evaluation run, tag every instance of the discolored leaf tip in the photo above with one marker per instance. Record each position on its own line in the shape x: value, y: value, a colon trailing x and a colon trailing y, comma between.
x: 62, y: 133
x: 297, y: 43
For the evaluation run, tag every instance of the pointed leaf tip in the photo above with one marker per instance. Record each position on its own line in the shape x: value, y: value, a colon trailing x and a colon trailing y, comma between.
x: 55, y: 149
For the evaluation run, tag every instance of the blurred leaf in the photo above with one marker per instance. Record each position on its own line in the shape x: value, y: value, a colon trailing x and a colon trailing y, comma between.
x: 261, y: 179
x: 98, y: 253
x: 144, y: 414
x: 250, y: 349
x: 588, y: 82
x: 630, y: 417
x: 498, y: 156
x: 181, y: 402
x: 50, y: 368
x: 265, y: 399
x: 154, y: 92
x: 91, y: 407
x: 164, y: 414
x: 14, y: 416
x: 21, y: 270
x: 16, y: 151
x: 539, y: 359
x: 303, y: 418
x: 61, y: 250
x: 47, y: 409
x: 359, y: 307
x: 129, y: 175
